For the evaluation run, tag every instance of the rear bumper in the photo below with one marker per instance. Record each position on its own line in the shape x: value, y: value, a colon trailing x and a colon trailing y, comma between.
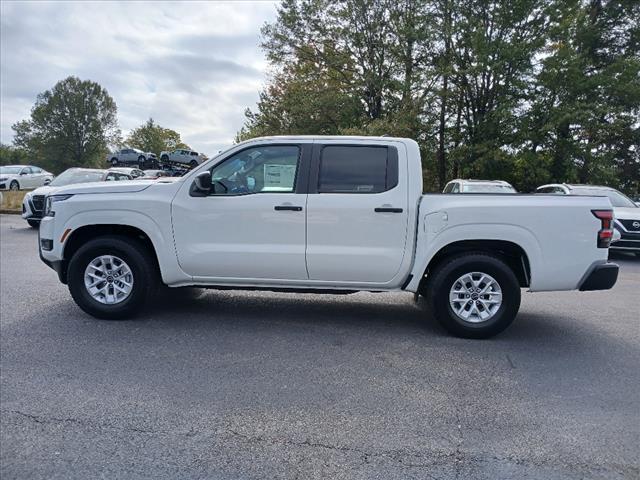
x: 601, y: 277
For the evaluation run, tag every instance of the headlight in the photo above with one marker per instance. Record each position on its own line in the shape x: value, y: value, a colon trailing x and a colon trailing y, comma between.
x: 51, y: 199
x: 3, y: 179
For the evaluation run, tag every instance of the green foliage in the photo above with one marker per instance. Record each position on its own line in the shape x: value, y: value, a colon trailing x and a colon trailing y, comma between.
x: 70, y: 125
x: 151, y: 137
x: 530, y: 91
x: 10, y: 155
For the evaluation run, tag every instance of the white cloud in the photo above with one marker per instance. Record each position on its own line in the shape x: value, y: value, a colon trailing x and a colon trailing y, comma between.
x: 192, y: 66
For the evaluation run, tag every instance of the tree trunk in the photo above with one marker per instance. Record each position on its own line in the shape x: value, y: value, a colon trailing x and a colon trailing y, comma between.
x: 442, y: 161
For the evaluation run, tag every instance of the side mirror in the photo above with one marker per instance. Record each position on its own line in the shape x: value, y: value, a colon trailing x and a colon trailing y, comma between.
x: 203, y: 181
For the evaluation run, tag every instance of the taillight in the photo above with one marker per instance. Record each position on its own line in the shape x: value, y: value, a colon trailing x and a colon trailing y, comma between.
x: 605, y: 234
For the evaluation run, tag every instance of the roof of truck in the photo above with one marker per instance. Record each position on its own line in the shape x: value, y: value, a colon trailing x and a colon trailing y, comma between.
x: 333, y: 137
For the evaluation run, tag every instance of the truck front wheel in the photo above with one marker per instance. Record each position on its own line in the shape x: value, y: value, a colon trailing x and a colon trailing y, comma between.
x: 473, y: 295
x: 112, y: 277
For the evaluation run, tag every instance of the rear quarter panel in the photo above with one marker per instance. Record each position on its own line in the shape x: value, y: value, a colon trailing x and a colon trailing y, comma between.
x: 558, y: 234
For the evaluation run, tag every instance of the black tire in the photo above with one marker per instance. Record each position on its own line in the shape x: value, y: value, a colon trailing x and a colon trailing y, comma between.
x: 193, y: 163
x: 33, y: 223
x: 445, y: 275
x: 14, y: 185
x: 141, y: 263
x: 114, y: 162
x: 164, y: 158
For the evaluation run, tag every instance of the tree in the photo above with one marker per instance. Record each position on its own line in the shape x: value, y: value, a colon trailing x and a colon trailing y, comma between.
x: 71, y: 125
x: 151, y: 137
x: 530, y: 91
x: 303, y: 99
x: 10, y: 155
x: 588, y: 94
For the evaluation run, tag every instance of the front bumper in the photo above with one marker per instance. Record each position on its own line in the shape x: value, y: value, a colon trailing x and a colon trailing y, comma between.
x: 629, y: 237
x: 51, y: 258
x: 628, y: 242
x: 602, y: 277
x: 29, y: 211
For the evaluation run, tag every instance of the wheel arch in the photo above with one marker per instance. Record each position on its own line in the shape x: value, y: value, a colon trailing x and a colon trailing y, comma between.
x: 510, y: 252
x: 81, y: 235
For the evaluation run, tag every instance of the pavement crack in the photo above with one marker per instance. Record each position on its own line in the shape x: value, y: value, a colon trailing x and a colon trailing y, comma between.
x: 47, y: 420
x: 365, y: 456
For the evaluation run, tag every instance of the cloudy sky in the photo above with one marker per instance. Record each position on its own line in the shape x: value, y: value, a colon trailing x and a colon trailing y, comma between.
x: 192, y: 66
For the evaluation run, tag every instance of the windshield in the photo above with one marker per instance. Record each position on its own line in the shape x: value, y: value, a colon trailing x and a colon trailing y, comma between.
x: 487, y: 188
x: 11, y: 170
x: 616, y: 198
x: 70, y: 177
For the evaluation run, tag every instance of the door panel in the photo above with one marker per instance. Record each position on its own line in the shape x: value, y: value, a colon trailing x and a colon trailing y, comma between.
x: 27, y: 180
x: 255, y: 228
x: 358, y: 236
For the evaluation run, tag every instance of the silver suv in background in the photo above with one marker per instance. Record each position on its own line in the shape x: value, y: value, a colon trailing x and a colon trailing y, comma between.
x: 626, y: 212
x: 478, y: 186
x: 129, y: 156
x: 183, y: 157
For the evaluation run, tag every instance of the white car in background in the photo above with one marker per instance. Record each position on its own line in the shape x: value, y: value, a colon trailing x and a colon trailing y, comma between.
x: 33, y: 202
x: 625, y: 211
x: 182, y: 156
x: 20, y: 177
x: 132, y: 156
x: 478, y: 186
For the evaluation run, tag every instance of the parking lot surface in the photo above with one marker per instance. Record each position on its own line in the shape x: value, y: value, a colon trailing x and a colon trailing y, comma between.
x: 250, y: 385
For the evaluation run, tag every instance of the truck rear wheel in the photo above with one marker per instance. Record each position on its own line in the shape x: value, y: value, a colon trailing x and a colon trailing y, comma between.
x: 473, y: 295
x: 112, y: 277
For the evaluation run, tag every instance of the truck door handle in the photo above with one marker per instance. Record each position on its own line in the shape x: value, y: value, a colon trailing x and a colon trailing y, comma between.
x: 287, y: 207
x: 387, y: 210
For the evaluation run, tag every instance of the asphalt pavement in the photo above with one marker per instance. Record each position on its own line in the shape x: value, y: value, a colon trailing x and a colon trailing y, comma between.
x: 252, y: 385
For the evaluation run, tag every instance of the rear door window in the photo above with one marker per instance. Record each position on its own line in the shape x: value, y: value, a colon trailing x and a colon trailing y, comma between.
x: 356, y: 169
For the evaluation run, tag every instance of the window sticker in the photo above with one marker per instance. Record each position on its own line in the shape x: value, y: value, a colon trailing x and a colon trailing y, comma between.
x: 278, y: 177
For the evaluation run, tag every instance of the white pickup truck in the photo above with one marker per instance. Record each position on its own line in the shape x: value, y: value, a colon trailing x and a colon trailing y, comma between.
x: 326, y: 215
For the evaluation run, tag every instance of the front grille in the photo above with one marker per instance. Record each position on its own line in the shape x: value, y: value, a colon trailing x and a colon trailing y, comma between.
x: 629, y: 225
x: 38, y: 202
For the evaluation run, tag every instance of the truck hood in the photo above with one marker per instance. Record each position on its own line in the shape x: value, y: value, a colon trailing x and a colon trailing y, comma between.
x: 626, y: 213
x: 128, y: 186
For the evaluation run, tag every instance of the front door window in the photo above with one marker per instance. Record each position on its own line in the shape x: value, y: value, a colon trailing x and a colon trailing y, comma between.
x: 268, y: 169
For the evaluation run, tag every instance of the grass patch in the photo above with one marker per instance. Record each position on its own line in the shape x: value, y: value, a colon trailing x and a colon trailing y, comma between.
x: 12, y: 200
